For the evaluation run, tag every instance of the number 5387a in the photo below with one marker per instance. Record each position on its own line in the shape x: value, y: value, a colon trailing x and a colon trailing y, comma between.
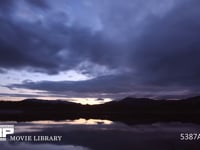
x: 189, y: 136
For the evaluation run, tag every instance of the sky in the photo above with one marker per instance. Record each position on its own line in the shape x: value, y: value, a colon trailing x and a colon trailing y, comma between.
x: 94, y: 51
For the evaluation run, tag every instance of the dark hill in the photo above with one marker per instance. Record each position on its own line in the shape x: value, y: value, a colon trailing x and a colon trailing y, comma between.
x: 126, y: 110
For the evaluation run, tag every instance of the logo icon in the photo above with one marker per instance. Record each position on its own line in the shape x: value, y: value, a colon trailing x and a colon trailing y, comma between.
x: 6, y: 130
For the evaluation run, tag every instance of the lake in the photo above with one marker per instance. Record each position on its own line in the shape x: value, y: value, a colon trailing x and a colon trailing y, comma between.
x: 94, y: 134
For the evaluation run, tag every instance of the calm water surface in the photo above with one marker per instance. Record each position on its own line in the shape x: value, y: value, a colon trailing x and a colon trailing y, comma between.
x: 94, y: 134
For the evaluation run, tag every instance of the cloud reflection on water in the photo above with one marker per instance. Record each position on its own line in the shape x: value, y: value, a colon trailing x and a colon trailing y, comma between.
x: 80, y: 121
x: 23, y: 146
x: 106, y: 135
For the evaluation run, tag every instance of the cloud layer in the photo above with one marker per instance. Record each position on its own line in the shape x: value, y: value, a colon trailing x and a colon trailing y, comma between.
x: 128, y: 47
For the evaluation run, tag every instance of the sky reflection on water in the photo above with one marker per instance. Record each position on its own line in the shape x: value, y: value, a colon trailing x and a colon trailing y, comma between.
x: 94, y: 134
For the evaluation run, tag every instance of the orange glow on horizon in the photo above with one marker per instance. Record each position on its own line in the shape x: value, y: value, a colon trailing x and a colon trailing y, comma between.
x: 83, y: 101
x: 80, y: 121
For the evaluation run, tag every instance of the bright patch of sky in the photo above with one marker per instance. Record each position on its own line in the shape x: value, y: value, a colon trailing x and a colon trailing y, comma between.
x: 19, y: 76
x: 14, y: 77
x: 90, y: 101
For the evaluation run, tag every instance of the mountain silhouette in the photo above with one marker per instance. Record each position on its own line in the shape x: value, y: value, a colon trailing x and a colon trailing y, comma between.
x: 129, y: 110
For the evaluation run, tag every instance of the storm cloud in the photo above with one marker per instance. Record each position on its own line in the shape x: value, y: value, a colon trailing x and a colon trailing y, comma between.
x: 148, y: 48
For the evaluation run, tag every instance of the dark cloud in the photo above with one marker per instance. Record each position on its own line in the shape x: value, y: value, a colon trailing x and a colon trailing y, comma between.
x: 167, y: 53
x: 21, y: 95
x: 100, y: 99
x: 17, y: 48
x: 6, y: 2
x: 103, y: 84
x: 39, y: 3
x: 113, y: 86
x: 51, y: 49
x: 6, y: 5
x: 152, y: 49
